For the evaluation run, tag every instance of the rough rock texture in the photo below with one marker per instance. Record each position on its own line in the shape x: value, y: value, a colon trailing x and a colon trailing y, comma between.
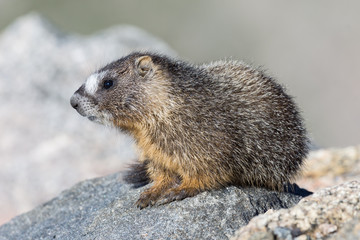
x: 349, y: 231
x: 318, y: 216
x: 104, y: 208
x: 330, y: 167
x: 45, y: 146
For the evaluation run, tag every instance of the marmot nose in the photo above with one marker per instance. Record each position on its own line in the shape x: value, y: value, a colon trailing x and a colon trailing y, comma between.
x: 74, y: 102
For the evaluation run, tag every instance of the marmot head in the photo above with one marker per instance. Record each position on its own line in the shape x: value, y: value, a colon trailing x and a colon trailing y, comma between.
x: 123, y: 92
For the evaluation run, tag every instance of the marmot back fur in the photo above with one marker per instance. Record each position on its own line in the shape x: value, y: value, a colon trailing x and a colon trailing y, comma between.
x: 198, y: 127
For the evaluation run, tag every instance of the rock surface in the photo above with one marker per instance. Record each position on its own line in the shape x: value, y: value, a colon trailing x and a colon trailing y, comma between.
x: 104, y: 208
x: 318, y: 216
x: 330, y: 167
x: 349, y: 231
x: 45, y: 146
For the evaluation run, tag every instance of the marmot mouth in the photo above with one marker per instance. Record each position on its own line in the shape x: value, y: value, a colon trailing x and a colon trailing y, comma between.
x: 92, y: 118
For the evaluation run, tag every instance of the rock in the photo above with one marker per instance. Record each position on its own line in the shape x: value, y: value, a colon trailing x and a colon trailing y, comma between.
x: 45, y: 146
x: 349, y: 231
x: 104, y: 208
x: 330, y: 167
x: 317, y: 216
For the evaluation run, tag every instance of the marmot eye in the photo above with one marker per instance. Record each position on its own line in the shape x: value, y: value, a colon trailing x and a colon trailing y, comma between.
x: 108, y: 84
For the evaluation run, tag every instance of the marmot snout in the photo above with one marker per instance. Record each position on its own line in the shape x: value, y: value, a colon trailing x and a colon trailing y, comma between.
x: 198, y: 127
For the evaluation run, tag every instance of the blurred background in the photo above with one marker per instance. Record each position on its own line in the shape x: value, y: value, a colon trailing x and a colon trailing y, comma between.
x: 311, y: 47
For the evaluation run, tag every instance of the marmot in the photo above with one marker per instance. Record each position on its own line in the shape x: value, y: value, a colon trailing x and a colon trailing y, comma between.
x: 198, y: 127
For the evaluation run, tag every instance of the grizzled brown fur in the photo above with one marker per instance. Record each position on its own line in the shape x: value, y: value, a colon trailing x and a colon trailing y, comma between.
x: 198, y: 127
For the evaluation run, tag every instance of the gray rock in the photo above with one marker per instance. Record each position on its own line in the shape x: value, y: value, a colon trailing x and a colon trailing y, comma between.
x: 319, y: 216
x: 45, y: 146
x: 282, y: 233
x: 104, y: 208
x: 349, y: 231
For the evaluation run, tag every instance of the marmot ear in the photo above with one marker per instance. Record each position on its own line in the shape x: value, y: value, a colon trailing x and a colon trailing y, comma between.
x: 144, y: 65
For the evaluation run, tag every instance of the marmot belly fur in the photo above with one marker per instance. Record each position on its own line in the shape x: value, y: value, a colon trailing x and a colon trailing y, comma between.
x: 198, y: 127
